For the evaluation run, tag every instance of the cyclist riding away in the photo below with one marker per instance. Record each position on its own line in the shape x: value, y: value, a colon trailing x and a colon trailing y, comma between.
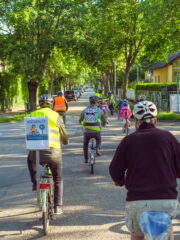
x: 53, y: 156
x: 147, y: 162
x: 142, y: 98
x: 111, y: 103
x: 91, y: 119
x: 125, y: 114
x: 105, y: 110
x: 60, y: 105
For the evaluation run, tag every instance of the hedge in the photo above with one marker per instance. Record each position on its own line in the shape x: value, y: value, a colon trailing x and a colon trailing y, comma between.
x: 156, y: 86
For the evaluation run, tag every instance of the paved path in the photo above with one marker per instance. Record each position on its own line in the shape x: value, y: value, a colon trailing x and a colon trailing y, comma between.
x: 93, y: 206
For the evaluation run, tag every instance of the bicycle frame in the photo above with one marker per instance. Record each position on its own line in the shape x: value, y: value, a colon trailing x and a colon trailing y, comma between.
x: 44, y: 193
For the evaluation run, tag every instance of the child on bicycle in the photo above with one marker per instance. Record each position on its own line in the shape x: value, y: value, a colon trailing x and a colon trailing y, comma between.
x: 125, y: 114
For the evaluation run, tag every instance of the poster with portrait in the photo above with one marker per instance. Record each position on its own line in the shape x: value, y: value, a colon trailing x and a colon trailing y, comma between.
x: 37, y: 137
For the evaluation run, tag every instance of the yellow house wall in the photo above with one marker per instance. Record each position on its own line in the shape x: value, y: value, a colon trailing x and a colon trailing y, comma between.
x: 160, y: 75
x: 176, y: 68
x: 166, y: 74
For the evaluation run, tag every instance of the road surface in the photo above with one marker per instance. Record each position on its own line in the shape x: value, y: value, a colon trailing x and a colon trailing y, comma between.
x: 93, y: 206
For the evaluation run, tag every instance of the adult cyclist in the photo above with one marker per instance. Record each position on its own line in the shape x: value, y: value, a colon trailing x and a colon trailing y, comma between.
x: 91, y: 119
x: 142, y: 98
x: 147, y: 162
x: 53, y: 156
x: 60, y: 105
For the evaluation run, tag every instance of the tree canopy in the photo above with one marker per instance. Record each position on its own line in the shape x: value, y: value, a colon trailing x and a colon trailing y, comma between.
x: 60, y: 43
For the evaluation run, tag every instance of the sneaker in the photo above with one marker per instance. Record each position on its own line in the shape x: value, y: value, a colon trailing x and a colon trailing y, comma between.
x: 98, y: 154
x: 58, y: 210
x: 85, y: 160
x: 34, y: 187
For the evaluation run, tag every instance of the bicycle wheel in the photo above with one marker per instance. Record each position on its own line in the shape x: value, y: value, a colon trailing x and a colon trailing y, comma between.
x: 92, y: 168
x: 45, y: 209
x: 126, y: 130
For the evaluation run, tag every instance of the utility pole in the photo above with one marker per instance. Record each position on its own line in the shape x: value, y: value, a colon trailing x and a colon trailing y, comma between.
x: 177, y: 78
x: 114, y: 60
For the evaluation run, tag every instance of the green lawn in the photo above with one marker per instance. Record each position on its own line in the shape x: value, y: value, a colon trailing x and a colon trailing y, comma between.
x: 168, y: 116
x: 16, y: 118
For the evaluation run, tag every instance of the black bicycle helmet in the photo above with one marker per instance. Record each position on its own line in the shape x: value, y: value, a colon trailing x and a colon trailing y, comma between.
x: 45, y: 100
x: 93, y: 99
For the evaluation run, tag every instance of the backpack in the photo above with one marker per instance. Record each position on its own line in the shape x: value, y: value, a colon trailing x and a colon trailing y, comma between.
x: 103, y: 108
x: 91, y: 115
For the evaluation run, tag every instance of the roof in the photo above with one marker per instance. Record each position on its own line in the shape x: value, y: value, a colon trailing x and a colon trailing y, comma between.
x: 171, y: 58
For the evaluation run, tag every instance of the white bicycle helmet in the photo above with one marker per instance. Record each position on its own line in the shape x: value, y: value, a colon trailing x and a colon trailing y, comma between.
x: 145, y: 110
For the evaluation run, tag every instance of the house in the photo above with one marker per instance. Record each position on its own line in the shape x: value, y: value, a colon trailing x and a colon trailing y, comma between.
x: 165, y: 71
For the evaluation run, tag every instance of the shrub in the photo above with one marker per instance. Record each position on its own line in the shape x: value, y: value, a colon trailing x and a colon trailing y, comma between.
x: 156, y: 86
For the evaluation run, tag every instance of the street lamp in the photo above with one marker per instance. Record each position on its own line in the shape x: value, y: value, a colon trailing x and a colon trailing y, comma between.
x: 114, y: 60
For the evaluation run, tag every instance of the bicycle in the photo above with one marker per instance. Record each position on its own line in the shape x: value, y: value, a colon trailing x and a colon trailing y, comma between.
x: 126, y: 127
x: 92, y: 154
x: 46, y: 197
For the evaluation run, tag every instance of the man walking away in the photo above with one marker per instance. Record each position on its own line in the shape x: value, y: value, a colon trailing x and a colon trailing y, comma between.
x: 147, y: 162
x: 60, y: 105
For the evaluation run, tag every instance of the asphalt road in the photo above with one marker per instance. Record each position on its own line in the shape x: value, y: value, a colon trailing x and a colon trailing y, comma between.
x: 93, y: 206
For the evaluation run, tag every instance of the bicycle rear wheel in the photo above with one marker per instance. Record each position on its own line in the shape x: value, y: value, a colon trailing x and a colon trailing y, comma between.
x: 45, y: 209
x: 92, y: 168
x: 126, y: 130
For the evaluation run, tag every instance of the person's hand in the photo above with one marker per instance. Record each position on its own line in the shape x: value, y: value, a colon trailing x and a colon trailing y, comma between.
x: 116, y: 184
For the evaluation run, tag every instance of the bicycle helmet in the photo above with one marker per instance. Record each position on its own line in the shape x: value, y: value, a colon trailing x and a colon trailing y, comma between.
x: 45, y: 100
x: 100, y: 100
x: 145, y: 110
x: 142, y: 98
x: 125, y: 104
x: 93, y: 99
x: 60, y: 94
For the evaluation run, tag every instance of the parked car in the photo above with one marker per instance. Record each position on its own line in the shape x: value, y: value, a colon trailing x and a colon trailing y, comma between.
x: 70, y: 95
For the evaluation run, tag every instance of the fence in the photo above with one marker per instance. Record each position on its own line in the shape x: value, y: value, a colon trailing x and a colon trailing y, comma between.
x: 174, y: 101
x: 164, y: 100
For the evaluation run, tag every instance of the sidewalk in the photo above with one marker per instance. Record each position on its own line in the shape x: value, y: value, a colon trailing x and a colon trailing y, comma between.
x: 10, y: 114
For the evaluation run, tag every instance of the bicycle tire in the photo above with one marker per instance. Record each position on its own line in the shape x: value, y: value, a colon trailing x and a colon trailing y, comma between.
x: 45, y: 215
x: 126, y: 130
x: 92, y: 168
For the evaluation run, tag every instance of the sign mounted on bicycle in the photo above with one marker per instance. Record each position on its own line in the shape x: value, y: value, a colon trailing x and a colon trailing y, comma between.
x: 37, y: 138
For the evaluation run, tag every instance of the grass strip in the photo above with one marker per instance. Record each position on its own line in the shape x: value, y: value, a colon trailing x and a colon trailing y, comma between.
x: 18, y: 117
x: 168, y: 116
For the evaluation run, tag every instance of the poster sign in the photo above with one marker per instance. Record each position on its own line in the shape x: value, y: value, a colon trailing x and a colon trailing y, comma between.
x: 37, y: 137
x: 174, y: 103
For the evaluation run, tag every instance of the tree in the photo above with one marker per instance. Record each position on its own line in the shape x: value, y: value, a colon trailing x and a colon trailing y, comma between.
x: 34, y: 28
x: 127, y: 29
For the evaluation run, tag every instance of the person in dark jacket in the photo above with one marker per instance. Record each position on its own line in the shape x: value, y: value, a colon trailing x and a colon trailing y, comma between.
x: 147, y: 162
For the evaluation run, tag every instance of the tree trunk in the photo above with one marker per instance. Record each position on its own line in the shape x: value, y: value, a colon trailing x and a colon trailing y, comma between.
x: 126, y: 81
x: 51, y: 83
x: 32, y: 87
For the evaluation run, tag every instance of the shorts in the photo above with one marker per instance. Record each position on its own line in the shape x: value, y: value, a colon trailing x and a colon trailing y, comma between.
x: 133, y: 208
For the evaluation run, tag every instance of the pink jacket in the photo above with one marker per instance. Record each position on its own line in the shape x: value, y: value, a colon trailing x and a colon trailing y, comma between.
x: 125, y: 113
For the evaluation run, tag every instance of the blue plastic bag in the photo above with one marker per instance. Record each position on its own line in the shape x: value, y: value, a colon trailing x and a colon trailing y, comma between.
x: 154, y: 224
